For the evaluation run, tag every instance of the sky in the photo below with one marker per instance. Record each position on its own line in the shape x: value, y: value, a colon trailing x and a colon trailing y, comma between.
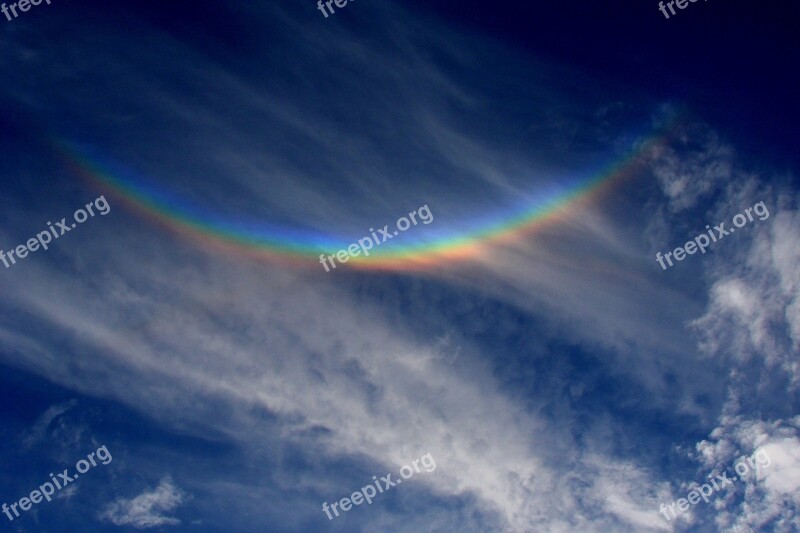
x: 536, y: 261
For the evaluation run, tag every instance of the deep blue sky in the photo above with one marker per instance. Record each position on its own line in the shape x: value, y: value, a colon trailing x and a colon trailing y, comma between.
x: 730, y: 61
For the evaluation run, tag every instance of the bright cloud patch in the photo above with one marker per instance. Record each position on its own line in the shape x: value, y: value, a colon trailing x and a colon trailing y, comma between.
x: 147, y: 509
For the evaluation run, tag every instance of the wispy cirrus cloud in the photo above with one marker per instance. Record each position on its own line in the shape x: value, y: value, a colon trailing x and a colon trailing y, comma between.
x: 36, y: 433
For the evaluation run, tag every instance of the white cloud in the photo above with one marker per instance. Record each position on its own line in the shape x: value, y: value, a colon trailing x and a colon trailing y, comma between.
x: 148, y: 509
x: 768, y: 499
x: 783, y: 476
x: 755, y: 296
x: 750, y: 324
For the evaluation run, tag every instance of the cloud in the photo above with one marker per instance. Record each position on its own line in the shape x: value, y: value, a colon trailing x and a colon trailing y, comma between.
x: 67, y: 493
x: 768, y: 499
x: 754, y: 301
x: 148, y: 509
x: 750, y: 323
x: 37, y: 433
x: 695, y: 164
